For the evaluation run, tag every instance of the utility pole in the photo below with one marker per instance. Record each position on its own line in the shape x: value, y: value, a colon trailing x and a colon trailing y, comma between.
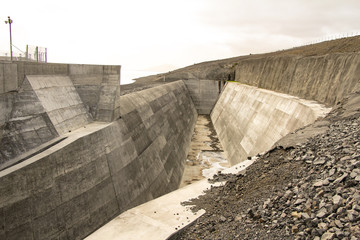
x: 9, y: 21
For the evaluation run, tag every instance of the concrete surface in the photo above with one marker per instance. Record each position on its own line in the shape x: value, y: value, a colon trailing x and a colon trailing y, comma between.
x: 8, y: 77
x: 99, y: 89
x: 60, y: 101
x: 100, y: 170
x: 26, y: 125
x: 250, y: 120
x: 204, y: 93
x: 326, y: 79
x: 161, y: 217
x: 77, y: 185
x: 40, y: 101
x: 156, y: 127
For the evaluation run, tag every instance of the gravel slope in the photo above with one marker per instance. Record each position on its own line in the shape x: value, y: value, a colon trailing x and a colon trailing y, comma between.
x: 309, y: 189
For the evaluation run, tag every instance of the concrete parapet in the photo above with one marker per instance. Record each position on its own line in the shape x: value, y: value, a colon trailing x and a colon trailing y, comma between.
x: 250, y: 120
x: 72, y: 188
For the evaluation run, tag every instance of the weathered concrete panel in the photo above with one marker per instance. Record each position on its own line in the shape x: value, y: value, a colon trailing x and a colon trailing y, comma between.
x: 38, y: 102
x: 249, y: 120
x: 10, y: 77
x: 61, y: 102
x: 204, y: 93
x: 27, y: 117
x: 99, y: 89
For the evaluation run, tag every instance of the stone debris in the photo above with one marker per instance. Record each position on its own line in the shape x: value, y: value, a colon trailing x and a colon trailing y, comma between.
x: 314, y: 194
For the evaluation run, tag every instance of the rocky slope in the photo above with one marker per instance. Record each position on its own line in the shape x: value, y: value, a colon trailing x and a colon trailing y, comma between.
x: 305, y: 189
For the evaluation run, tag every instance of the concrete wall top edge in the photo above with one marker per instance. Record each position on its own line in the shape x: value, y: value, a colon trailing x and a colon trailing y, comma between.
x: 13, y: 73
x: 146, y: 94
x: 69, y: 139
x: 320, y: 109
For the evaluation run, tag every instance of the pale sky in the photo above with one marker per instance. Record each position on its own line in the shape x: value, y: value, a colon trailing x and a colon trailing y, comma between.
x: 142, y: 34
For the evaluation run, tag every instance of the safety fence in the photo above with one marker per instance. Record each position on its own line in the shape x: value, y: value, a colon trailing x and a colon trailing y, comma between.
x: 32, y: 53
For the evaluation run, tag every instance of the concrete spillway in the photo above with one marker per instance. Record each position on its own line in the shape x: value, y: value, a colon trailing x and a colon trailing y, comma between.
x: 246, y: 118
x: 119, y: 152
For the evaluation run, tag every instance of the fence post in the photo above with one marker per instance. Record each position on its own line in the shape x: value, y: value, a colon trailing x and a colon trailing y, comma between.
x: 37, y: 53
x: 27, y: 52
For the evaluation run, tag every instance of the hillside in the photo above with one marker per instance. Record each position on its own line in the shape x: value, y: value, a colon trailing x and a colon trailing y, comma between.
x: 343, y: 45
x: 306, y: 187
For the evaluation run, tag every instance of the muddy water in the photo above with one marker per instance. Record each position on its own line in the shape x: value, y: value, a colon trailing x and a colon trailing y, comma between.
x: 205, y: 156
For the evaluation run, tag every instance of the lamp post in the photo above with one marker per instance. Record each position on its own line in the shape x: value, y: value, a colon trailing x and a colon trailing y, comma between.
x: 10, y: 21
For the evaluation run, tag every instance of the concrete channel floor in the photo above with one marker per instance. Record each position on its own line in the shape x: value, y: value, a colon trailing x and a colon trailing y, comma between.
x: 158, y: 219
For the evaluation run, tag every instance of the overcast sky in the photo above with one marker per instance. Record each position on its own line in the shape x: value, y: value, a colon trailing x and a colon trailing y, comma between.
x: 143, y: 34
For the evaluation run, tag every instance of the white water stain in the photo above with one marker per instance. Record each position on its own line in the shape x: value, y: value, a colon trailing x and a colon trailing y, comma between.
x: 213, y: 162
x: 205, y: 156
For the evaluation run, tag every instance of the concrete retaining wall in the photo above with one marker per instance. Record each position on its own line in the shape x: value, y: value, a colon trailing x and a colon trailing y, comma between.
x: 99, y: 89
x: 40, y: 101
x: 97, y: 172
x: 204, y: 93
x: 97, y: 85
x: 326, y: 79
x: 249, y: 120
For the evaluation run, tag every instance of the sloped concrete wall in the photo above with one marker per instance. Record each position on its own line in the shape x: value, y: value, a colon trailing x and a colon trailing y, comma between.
x: 27, y: 125
x: 249, y: 120
x: 97, y: 85
x: 97, y: 172
x: 61, y: 102
x: 45, y: 107
x: 157, y: 125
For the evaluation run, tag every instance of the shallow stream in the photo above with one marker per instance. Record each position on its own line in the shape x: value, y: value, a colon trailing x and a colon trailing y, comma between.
x: 206, y: 155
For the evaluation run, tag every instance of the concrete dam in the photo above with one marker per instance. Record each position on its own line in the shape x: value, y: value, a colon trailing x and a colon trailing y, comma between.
x: 74, y: 153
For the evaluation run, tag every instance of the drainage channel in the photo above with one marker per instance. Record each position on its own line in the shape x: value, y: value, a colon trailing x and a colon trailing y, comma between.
x: 162, y: 217
x: 206, y: 155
